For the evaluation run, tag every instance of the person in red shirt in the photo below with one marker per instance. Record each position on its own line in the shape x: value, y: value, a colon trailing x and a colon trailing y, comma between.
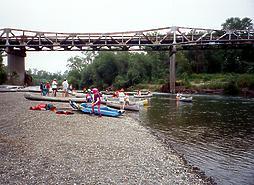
x: 96, y: 100
x: 47, y: 87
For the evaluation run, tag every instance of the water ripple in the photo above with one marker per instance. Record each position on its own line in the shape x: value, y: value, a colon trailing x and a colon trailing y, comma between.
x: 214, y: 133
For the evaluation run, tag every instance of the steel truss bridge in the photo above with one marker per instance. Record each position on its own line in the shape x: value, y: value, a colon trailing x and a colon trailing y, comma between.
x: 153, y: 39
x: 16, y: 42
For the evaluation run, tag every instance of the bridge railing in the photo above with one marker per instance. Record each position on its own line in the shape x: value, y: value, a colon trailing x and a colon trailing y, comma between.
x: 156, y: 39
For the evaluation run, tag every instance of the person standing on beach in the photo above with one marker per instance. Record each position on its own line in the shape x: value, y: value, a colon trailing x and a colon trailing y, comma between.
x: 54, y: 87
x: 121, y: 97
x: 96, y: 100
x: 65, y: 88
x: 48, y: 88
x: 41, y: 88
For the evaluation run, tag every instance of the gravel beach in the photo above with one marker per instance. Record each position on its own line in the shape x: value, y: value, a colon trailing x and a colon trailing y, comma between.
x: 41, y: 147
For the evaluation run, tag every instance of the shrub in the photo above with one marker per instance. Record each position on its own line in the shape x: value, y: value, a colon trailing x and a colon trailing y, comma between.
x: 246, y: 80
x: 231, y: 88
x: 3, y: 76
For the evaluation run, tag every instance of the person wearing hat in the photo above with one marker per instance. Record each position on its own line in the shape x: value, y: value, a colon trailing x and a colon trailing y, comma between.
x: 89, y: 97
x: 96, y: 100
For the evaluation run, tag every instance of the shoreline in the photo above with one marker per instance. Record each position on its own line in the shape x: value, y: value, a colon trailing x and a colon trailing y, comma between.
x: 43, y: 147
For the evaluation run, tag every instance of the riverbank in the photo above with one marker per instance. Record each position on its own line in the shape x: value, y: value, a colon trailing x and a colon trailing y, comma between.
x: 43, y: 147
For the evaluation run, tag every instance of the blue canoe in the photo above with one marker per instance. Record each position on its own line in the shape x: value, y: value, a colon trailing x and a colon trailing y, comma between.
x: 105, y: 111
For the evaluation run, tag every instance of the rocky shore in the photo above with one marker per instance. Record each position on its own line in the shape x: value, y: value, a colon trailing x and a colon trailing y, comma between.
x: 41, y: 147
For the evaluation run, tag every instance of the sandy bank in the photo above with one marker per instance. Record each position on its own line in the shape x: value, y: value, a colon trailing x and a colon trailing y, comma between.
x: 43, y: 147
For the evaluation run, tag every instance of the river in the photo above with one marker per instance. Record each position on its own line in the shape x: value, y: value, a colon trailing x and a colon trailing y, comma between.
x: 213, y: 133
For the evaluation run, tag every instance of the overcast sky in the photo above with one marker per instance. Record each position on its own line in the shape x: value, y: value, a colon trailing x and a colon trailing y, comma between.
x: 112, y: 16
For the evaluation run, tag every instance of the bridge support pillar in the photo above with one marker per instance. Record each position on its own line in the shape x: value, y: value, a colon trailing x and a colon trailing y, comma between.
x: 172, y: 70
x: 16, y: 66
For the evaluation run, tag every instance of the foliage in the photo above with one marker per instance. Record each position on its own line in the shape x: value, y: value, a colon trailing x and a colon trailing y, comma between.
x: 246, y: 81
x: 231, y: 88
x: 44, y: 76
x: 3, y: 73
x: 235, y: 23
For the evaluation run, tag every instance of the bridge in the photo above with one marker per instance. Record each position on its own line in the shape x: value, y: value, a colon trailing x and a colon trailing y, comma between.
x: 17, y: 42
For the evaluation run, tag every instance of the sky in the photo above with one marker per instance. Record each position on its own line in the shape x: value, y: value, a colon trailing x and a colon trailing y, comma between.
x: 111, y: 16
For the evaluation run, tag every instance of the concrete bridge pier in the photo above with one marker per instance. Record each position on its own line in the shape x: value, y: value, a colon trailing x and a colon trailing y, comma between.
x: 172, y: 70
x: 16, y: 66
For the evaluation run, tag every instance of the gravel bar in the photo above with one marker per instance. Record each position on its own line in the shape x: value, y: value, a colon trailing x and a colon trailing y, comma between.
x: 41, y: 147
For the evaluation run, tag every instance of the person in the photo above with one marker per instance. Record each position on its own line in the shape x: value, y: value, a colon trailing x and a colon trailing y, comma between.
x: 89, y: 97
x: 115, y: 94
x: 65, y: 88
x: 121, y: 97
x: 54, y: 87
x: 41, y: 88
x: 84, y: 90
x: 139, y: 93
x: 48, y: 88
x: 96, y: 101
x: 70, y: 88
x: 178, y: 96
x: 127, y: 99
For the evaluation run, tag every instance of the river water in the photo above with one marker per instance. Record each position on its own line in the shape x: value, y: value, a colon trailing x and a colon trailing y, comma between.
x: 213, y: 133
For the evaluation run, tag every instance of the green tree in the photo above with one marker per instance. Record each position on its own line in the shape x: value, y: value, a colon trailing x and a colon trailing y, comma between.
x: 235, y: 23
x: 236, y: 60
x: 3, y: 73
x: 77, y: 65
x: 105, y: 68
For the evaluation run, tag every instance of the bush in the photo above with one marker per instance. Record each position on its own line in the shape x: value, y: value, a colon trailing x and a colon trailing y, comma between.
x: 246, y: 80
x: 231, y: 88
x: 3, y: 76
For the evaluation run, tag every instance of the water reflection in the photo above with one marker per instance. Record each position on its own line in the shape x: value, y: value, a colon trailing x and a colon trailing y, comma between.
x: 214, y: 133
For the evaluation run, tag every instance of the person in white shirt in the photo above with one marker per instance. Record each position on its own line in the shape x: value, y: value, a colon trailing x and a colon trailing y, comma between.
x: 65, y: 88
x: 121, y: 97
x: 54, y: 87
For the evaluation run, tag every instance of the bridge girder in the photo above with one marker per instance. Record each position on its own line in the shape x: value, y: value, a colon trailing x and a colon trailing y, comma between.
x: 154, y: 39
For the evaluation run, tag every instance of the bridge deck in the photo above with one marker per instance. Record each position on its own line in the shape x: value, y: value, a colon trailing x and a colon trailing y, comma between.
x: 155, y: 39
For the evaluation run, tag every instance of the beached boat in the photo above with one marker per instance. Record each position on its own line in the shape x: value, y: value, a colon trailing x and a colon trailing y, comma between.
x: 143, y: 96
x: 38, y: 97
x: 104, y: 110
x: 132, y: 107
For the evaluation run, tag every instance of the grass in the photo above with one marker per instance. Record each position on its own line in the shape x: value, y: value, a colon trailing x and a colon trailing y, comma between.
x: 218, y: 81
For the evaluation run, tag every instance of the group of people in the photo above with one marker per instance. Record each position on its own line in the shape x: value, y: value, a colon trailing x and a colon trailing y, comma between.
x: 123, y: 97
x: 45, y: 88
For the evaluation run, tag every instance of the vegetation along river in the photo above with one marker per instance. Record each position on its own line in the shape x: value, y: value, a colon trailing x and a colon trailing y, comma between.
x: 213, y: 133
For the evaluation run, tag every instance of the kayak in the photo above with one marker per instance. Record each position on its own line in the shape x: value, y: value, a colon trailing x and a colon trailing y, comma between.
x: 185, y: 99
x: 39, y: 97
x: 143, y: 96
x: 132, y: 107
x: 104, y: 110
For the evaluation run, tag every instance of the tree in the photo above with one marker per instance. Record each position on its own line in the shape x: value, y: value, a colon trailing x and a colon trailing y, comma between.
x: 235, y: 23
x: 238, y: 60
x: 3, y: 73
x: 77, y: 65
x: 105, y: 68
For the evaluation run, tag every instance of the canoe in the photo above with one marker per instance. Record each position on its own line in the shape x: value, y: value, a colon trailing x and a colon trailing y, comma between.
x: 143, y: 96
x: 38, y: 97
x: 104, y: 110
x: 144, y: 102
x: 185, y: 99
x: 132, y: 107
